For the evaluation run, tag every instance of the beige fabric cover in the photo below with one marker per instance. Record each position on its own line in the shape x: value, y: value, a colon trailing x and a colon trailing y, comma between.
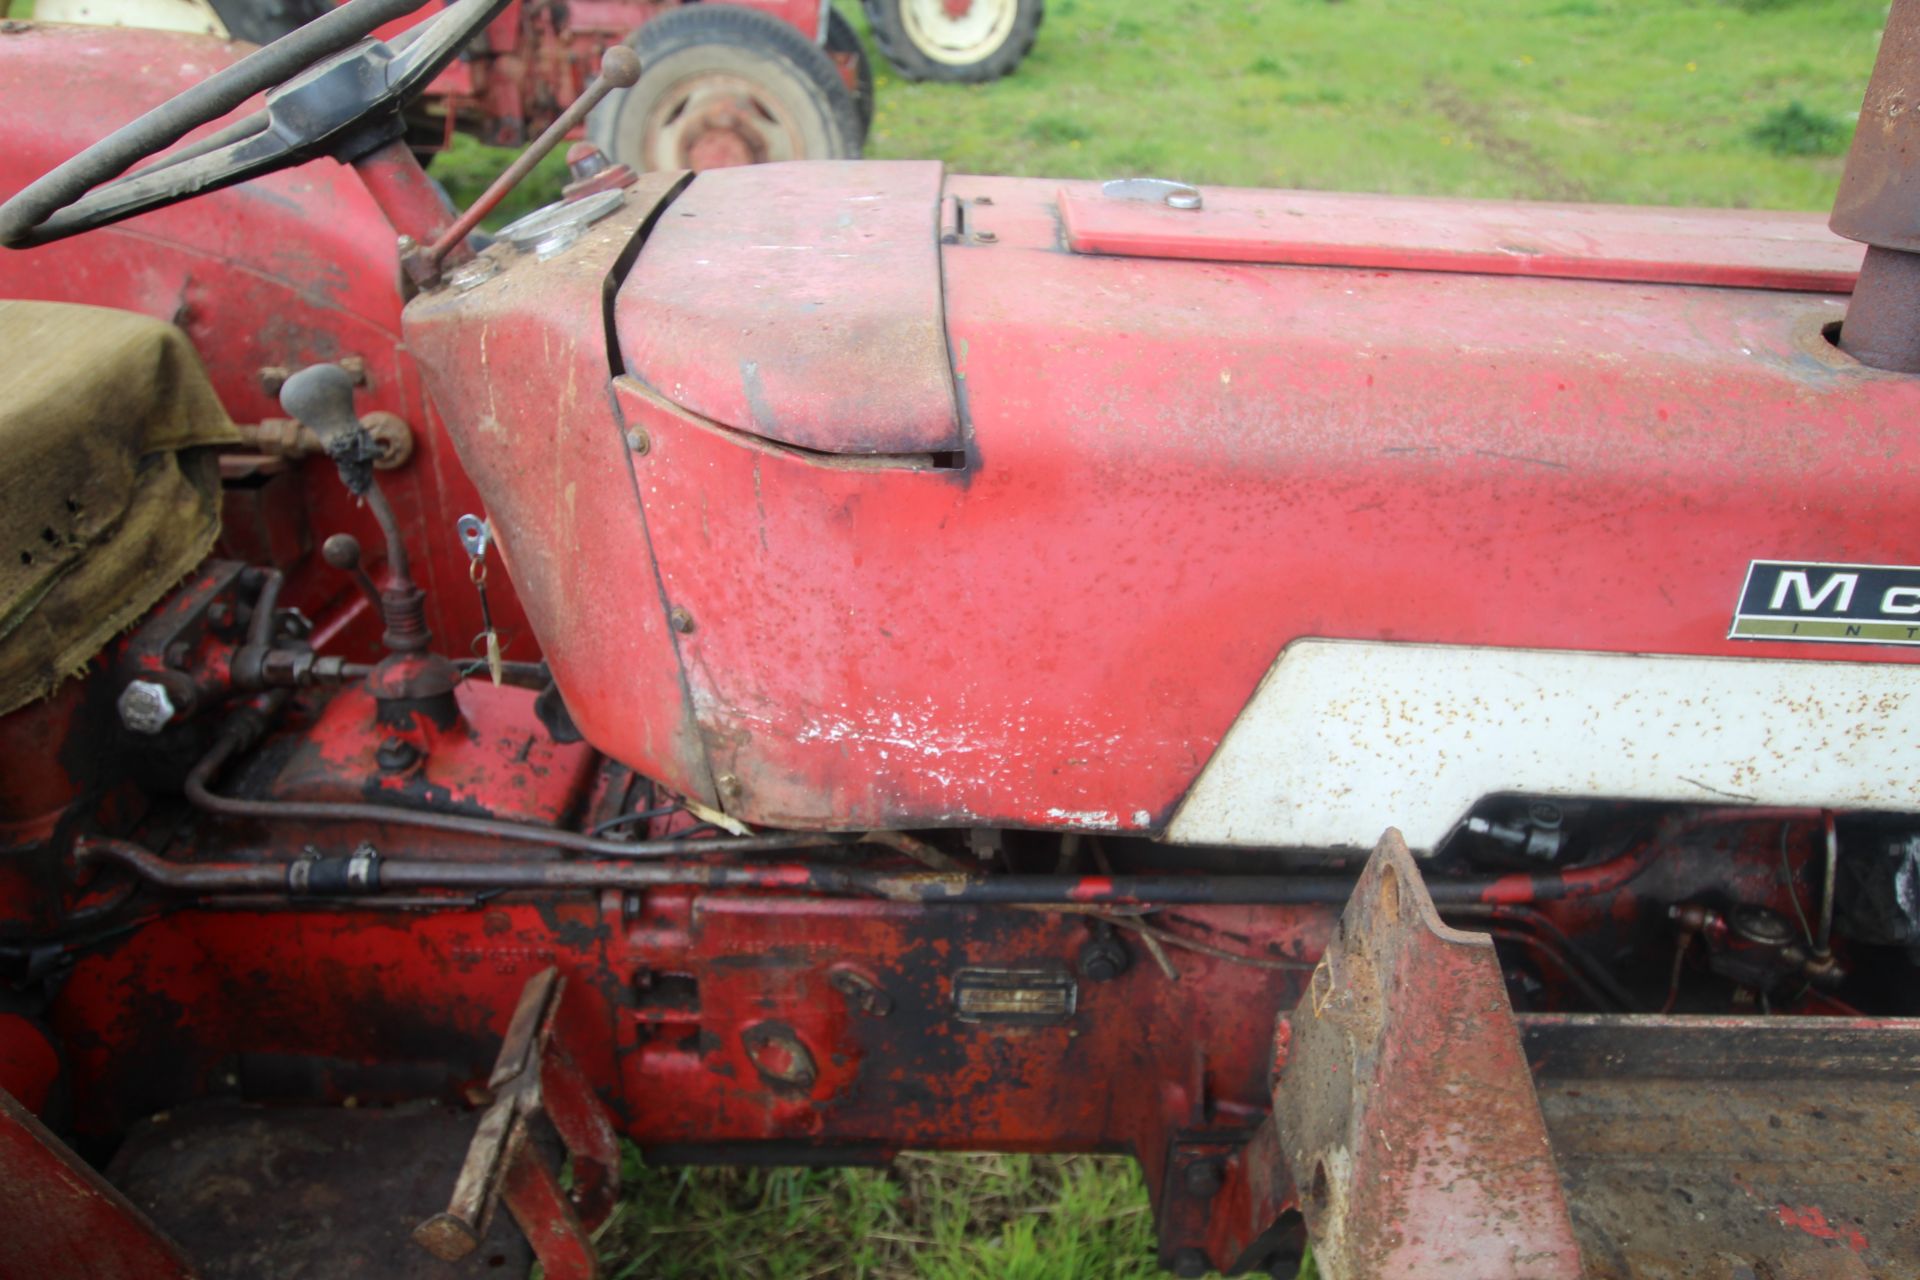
x: 109, y: 492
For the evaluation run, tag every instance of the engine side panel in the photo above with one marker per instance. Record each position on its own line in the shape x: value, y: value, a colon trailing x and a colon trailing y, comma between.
x: 1177, y: 469
x: 1343, y: 731
x: 1173, y: 471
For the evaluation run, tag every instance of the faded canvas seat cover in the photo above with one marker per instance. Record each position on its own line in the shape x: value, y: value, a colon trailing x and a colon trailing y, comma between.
x: 109, y: 492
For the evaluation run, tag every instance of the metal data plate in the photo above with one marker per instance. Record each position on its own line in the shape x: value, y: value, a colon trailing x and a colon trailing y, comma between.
x: 1032, y: 997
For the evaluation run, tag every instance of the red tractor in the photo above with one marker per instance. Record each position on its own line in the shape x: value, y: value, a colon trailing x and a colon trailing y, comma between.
x: 1397, y: 714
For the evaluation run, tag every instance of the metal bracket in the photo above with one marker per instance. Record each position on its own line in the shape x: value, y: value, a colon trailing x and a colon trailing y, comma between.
x: 476, y: 535
x: 534, y: 1076
x: 1405, y: 1107
x: 1174, y: 195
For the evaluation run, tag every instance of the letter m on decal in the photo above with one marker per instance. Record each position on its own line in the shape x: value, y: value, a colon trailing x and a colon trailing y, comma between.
x: 1798, y: 583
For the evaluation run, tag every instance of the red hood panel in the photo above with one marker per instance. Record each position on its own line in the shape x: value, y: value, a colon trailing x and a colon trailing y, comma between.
x: 800, y: 302
x: 1172, y: 470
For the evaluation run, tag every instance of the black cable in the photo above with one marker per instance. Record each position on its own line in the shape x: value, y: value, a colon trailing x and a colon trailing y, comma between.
x: 628, y: 819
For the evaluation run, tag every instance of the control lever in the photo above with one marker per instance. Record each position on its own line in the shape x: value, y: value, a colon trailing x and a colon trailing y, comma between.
x: 342, y: 551
x: 320, y: 397
x: 619, y: 69
x: 410, y: 677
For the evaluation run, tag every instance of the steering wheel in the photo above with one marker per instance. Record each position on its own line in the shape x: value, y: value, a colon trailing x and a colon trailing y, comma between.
x: 330, y: 91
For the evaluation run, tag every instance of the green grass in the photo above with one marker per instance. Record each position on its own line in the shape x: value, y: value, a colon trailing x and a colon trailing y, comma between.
x: 930, y: 1217
x: 1642, y: 101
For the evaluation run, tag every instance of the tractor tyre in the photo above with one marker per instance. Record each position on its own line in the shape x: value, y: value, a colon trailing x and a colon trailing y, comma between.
x: 856, y: 68
x: 723, y: 85
x: 968, y: 41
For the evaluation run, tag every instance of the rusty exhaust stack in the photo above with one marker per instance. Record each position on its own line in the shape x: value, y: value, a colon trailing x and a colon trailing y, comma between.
x: 1879, y: 203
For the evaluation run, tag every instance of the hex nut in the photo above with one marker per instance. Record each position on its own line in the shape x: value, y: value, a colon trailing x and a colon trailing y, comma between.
x: 145, y: 707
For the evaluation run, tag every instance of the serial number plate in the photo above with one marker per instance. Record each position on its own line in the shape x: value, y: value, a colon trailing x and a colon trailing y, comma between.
x: 1016, y: 996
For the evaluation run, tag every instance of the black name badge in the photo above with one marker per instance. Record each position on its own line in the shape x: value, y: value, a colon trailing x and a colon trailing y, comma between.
x: 1834, y: 603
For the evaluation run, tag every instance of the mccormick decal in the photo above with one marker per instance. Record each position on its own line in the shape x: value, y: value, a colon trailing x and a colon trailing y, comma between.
x: 1837, y: 603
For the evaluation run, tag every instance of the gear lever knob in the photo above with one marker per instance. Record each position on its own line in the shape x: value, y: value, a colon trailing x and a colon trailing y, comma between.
x: 320, y: 396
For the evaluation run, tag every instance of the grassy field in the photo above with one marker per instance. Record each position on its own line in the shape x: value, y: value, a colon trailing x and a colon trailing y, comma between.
x: 1716, y: 102
x: 976, y: 1217
x: 1639, y: 101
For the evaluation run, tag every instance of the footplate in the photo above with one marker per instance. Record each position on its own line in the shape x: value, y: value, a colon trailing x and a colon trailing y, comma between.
x: 534, y: 1077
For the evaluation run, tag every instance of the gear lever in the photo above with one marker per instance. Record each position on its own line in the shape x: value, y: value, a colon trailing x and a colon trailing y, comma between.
x: 410, y: 677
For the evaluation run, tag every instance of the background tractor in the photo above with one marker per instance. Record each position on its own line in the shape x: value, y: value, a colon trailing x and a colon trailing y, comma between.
x: 967, y: 41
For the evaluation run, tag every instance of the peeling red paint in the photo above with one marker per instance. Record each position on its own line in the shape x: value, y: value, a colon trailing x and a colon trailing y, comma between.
x: 1092, y: 889
x: 1814, y: 1221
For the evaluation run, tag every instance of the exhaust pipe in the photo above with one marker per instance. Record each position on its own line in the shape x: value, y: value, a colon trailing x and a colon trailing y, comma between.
x: 1879, y: 203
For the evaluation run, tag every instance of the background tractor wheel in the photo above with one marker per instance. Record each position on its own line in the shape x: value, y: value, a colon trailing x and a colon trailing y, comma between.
x: 856, y: 68
x: 965, y: 40
x: 723, y: 85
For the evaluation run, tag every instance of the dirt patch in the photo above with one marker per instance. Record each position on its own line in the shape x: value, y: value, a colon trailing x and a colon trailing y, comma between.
x: 1473, y: 120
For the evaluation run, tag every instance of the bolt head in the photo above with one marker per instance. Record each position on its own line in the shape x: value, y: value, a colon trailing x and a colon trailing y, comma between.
x: 1205, y: 1178
x: 145, y: 707
x: 681, y: 620
x: 1103, y: 959
x: 637, y: 440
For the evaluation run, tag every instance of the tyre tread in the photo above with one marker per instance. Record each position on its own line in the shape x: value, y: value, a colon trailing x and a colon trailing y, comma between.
x: 693, y: 25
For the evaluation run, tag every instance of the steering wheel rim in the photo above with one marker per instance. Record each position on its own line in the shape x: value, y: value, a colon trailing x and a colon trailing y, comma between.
x: 331, y: 90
